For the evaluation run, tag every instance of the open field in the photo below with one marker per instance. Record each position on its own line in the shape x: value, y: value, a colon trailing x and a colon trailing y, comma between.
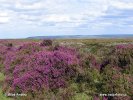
x: 66, y: 69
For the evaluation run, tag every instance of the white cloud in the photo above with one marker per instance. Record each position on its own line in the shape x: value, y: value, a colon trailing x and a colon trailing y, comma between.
x: 4, y: 17
x: 59, y: 18
x: 25, y: 6
x: 122, y: 5
x: 4, y: 20
x: 65, y: 13
x: 3, y: 14
x: 57, y: 11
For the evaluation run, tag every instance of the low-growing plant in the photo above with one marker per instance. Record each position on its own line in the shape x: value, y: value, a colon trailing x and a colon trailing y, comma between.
x: 46, y: 43
x: 46, y: 71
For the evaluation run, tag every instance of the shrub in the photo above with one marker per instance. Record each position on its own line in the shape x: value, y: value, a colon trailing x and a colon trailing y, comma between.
x: 29, y: 48
x: 122, y: 57
x: 46, y: 43
x: 44, y: 69
x: 9, y: 44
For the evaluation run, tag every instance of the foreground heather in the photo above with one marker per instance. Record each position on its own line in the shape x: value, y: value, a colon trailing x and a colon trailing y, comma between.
x: 50, y: 71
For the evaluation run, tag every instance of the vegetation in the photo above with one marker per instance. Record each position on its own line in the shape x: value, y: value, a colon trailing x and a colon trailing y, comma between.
x: 93, y: 69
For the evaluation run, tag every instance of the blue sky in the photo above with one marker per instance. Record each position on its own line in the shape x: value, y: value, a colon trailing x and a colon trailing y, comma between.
x: 24, y: 18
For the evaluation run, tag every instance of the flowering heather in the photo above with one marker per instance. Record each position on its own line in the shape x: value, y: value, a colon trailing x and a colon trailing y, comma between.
x: 121, y: 56
x: 4, y: 49
x: 48, y: 71
x: 29, y: 48
x: 10, y: 57
x: 89, y: 61
x: 124, y: 46
x: 41, y: 69
x: 64, y: 49
x: 98, y: 98
x: 6, y: 55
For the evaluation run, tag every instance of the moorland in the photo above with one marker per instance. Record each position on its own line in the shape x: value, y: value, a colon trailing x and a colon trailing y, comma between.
x: 66, y: 69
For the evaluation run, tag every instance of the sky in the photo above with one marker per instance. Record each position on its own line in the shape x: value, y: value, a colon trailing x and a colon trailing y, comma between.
x: 25, y: 18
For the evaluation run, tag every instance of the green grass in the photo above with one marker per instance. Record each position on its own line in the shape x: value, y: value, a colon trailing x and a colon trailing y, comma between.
x: 2, y: 77
x: 82, y: 96
x: 3, y: 97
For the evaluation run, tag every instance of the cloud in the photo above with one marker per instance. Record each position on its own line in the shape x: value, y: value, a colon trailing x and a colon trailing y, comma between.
x: 56, y: 11
x: 4, y: 20
x: 122, y: 5
x: 4, y: 17
x: 64, y: 14
x: 25, y: 6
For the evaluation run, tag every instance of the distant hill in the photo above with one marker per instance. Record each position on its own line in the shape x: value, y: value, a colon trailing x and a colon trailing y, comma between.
x: 82, y: 36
